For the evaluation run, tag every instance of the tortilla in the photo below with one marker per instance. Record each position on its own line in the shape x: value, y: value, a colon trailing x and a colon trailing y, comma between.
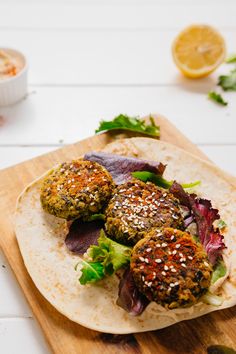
x: 51, y: 266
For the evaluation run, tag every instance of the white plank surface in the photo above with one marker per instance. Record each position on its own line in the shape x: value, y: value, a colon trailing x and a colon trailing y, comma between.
x: 52, y: 114
x: 91, y: 60
x: 101, y: 57
x: 21, y: 335
x: 117, y: 14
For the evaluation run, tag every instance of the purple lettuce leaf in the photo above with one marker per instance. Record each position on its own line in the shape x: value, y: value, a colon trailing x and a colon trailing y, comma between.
x: 120, y: 167
x: 204, y: 215
x: 82, y: 235
x: 129, y: 297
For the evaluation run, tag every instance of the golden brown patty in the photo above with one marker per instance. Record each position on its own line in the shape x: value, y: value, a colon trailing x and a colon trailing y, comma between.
x: 76, y: 189
x: 136, y: 207
x: 170, y: 268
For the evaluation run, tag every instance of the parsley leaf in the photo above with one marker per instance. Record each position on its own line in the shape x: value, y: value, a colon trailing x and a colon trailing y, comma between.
x: 158, y: 180
x: 228, y: 82
x: 231, y: 59
x: 130, y: 123
x: 91, y: 272
x: 216, y: 97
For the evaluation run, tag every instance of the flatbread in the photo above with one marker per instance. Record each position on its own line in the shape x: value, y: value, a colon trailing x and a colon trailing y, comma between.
x: 51, y: 266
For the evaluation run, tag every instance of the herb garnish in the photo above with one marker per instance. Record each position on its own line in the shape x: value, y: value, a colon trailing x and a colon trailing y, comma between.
x: 130, y: 123
x: 216, y: 97
x: 231, y: 59
x: 228, y: 82
x: 158, y: 180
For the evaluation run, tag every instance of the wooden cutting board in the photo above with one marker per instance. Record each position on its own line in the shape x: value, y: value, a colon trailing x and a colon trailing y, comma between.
x: 67, y: 337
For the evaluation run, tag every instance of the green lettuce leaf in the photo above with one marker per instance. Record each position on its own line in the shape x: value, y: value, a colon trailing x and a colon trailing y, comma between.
x: 221, y: 224
x: 130, y: 123
x: 158, y: 180
x: 91, y: 272
x: 219, y: 271
x: 212, y: 299
x: 107, y: 258
x: 110, y: 254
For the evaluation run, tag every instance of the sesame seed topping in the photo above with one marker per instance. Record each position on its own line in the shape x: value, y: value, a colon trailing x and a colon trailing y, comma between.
x: 146, y: 260
x: 164, y: 244
x: 171, y: 266
x: 175, y: 217
x: 149, y: 284
x: 176, y: 283
x: 141, y: 267
x: 173, y: 270
x: 206, y: 264
x: 174, y: 252
x: 166, y: 267
x: 172, y: 237
x: 158, y: 245
x: 183, y: 259
x: 164, y: 195
x: 172, y: 285
x: 158, y: 260
x: 183, y: 265
x: 148, y: 249
x: 163, y: 273
x: 143, y: 278
x: 141, y: 259
x: 178, y: 245
x: 190, y: 257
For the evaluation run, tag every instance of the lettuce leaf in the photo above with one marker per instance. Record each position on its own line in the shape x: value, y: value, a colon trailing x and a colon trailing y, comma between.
x: 160, y: 181
x: 110, y: 254
x: 106, y: 258
x: 212, y: 299
x: 204, y: 216
x: 121, y: 167
x: 91, y: 272
x: 219, y: 271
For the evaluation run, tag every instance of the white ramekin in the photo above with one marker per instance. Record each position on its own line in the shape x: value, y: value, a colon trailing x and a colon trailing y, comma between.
x: 14, y: 88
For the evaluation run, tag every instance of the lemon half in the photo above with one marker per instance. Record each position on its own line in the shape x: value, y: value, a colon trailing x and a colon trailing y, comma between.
x: 198, y: 50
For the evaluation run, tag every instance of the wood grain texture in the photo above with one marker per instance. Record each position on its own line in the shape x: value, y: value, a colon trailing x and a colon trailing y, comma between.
x: 63, y: 335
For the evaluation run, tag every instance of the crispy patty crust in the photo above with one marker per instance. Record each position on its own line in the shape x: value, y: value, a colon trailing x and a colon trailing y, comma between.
x: 170, y: 268
x: 76, y: 189
x: 136, y: 207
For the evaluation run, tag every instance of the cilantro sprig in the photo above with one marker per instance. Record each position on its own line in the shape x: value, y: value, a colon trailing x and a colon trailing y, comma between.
x: 231, y: 59
x: 216, y: 97
x: 228, y: 82
x: 134, y: 124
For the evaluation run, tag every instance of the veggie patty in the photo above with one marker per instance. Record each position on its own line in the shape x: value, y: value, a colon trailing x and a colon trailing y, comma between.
x: 136, y: 207
x: 170, y: 268
x: 76, y: 189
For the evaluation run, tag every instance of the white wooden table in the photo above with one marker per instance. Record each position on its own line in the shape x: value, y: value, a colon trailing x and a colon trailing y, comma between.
x: 93, y: 59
